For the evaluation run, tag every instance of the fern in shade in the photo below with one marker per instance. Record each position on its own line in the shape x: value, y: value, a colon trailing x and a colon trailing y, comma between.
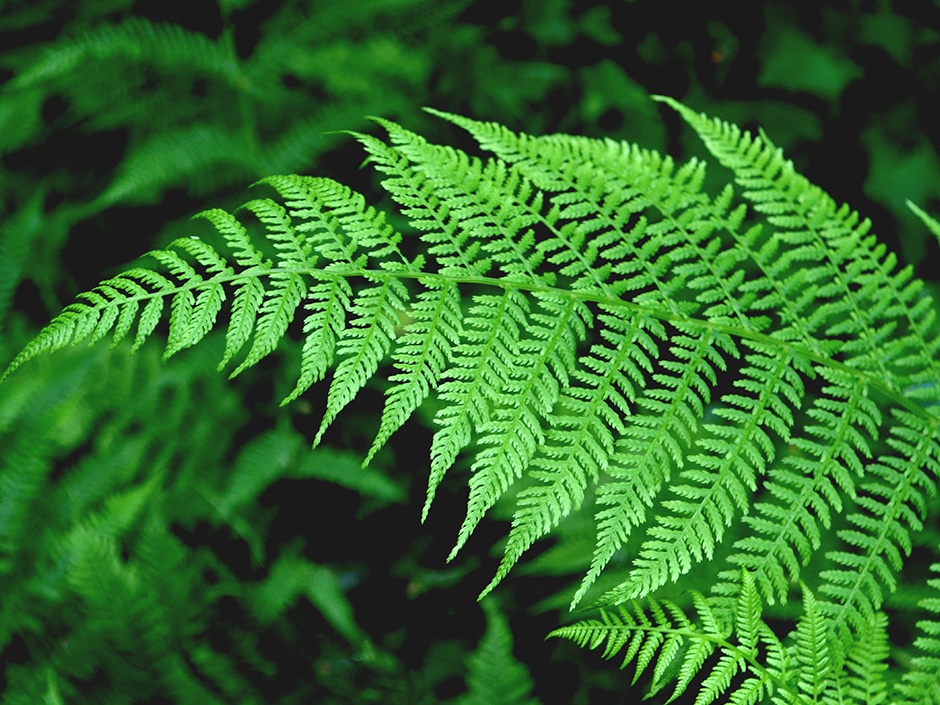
x: 740, y: 387
x: 922, y: 682
x: 494, y: 675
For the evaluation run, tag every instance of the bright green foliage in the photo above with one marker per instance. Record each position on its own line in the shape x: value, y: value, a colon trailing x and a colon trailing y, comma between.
x: 922, y: 682
x: 746, y: 381
x: 716, y: 648
x: 741, y: 649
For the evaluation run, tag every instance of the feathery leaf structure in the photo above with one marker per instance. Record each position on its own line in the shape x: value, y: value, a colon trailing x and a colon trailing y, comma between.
x: 494, y: 675
x: 922, y: 682
x: 713, y: 647
x: 725, y: 378
x: 132, y: 39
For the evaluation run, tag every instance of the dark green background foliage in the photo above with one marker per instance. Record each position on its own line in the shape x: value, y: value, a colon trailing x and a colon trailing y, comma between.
x: 167, y: 535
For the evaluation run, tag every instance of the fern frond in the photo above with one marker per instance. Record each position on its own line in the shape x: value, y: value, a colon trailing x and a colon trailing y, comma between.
x: 867, y: 664
x: 893, y: 335
x: 292, y: 576
x: 364, y: 343
x: 337, y: 222
x: 717, y: 486
x: 274, y: 314
x: 29, y: 444
x: 576, y: 448
x: 183, y: 156
x: 327, y: 304
x: 421, y: 357
x: 922, y: 683
x: 656, y: 441
x: 602, y: 184
x: 806, y: 487
x: 476, y: 196
x: 598, y: 329
x: 714, y: 648
x: 481, y: 365
x: 640, y: 634
x: 892, y: 505
x: 495, y: 676
x: 449, y: 245
x: 135, y: 39
x: 249, y: 293
x: 540, y: 371
x: 748, y: 627
x: 812, y: 651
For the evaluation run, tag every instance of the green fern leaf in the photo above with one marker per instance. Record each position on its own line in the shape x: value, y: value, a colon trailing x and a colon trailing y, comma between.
x: 893, y: 505
x: 806, y: 487
x: 292, y: 576
x: 134, y: 39
x: 922, y: 683
x: 640, y: 635
x: 751, y: 633
x: 187, y: 155
x: 249, y: 295
x: 882, y: 305
x: 812, y: 651
x: 656, y: 441
x: 236, y: 237
x: 421, y: 357
x: 583, y: 432
x: 363, y: 344
x: 732, y: 379
x: 193, y: 316
x: 481, y: 365
x: 451, y: 246
x: 287, y: 288
x: 717, y: 486
x: 660, y: 633
x: 931, y: 223
x: 327, y: 304
x: 867, y: 664
x: 274, y: 315
x: 495, y: 677
x: 511, y: 439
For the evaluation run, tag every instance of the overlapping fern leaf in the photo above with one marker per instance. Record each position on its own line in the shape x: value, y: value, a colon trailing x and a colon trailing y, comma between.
x: 717, y: 653
x: 728, y: 379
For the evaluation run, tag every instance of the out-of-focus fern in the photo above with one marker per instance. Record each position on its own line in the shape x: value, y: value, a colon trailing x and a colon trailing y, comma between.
x: 106, y: 592
x: 139, y: 110
x: 241, y: 101
x: 727, y: 378
x: 494, y: 676
x: 88, y: 556
x: 292, y: 576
